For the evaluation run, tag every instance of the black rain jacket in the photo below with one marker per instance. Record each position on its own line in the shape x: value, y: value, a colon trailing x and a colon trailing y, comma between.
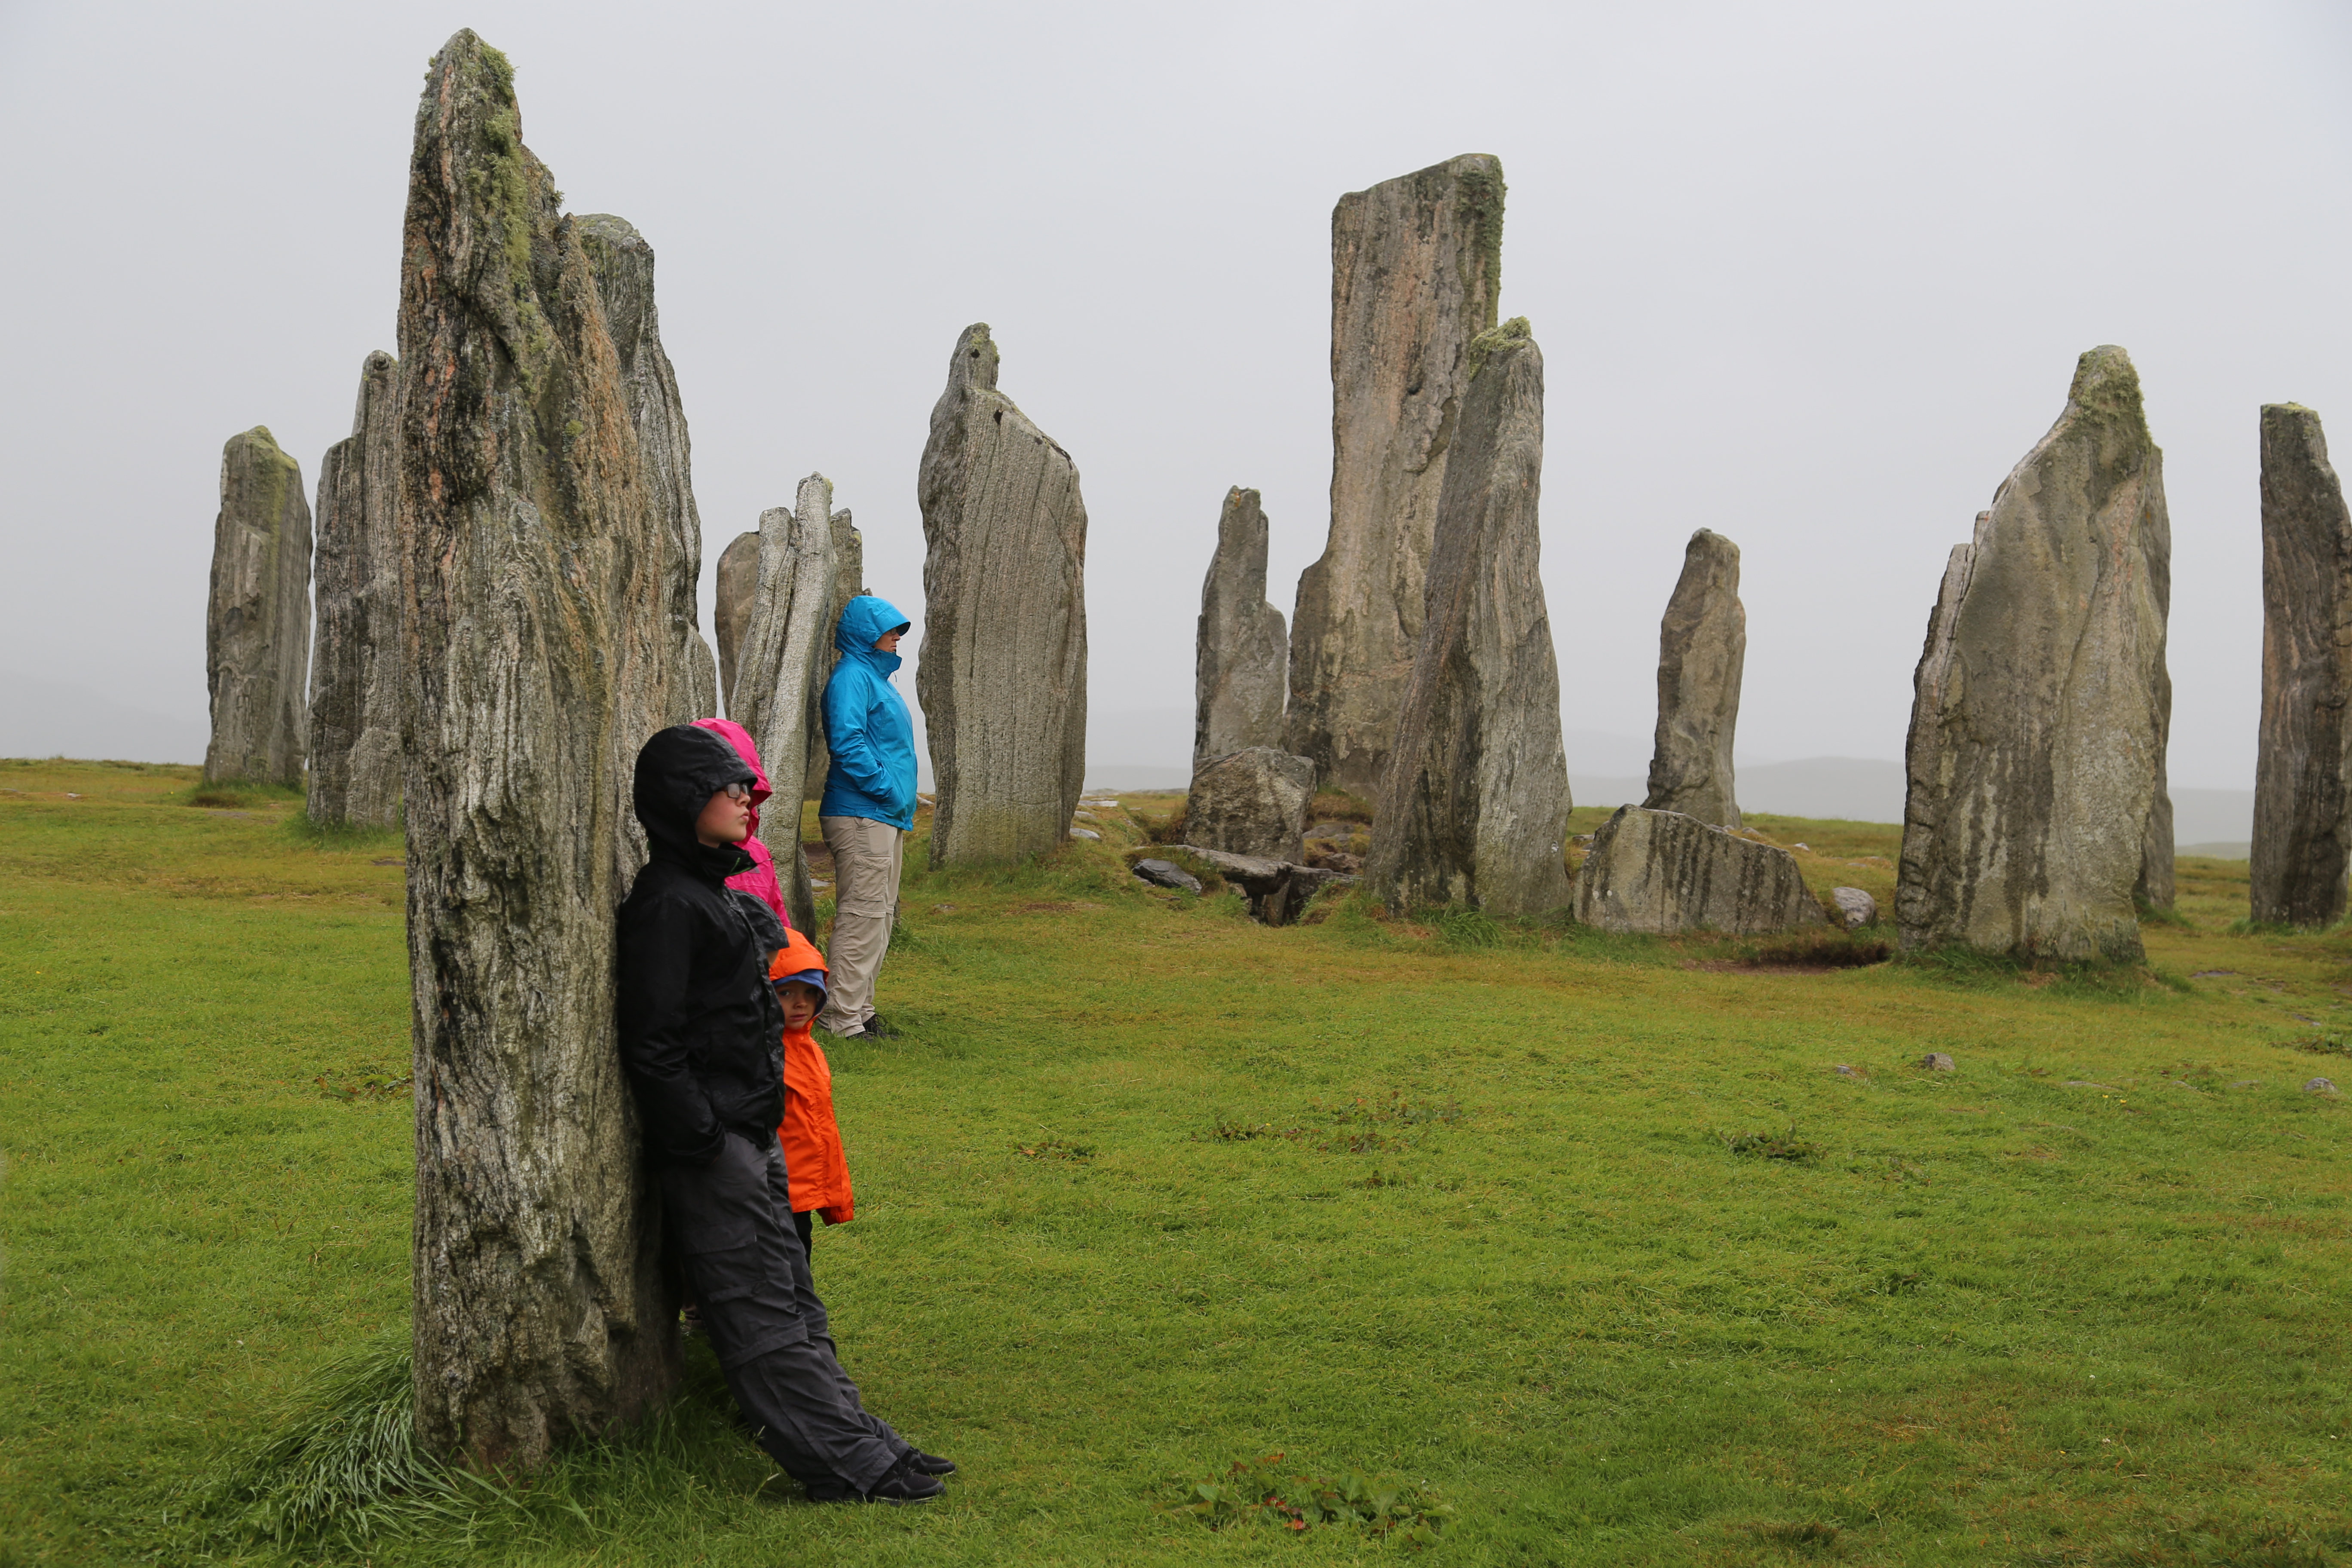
x: 701, y: 1033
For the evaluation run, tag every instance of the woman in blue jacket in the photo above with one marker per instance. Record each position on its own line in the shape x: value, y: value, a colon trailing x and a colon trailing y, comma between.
x: 867, y: 808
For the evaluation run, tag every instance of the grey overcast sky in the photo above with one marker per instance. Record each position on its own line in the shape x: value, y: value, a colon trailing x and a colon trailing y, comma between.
x: 1814, y: 276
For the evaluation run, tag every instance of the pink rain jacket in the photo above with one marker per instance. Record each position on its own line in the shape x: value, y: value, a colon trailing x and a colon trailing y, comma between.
x: 759, y: 881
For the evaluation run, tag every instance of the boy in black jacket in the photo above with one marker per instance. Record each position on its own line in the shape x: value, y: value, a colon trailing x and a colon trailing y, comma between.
x: 701, y: 1036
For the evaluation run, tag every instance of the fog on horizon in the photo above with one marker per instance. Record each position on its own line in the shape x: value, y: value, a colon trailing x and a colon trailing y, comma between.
x: 1813, y: 277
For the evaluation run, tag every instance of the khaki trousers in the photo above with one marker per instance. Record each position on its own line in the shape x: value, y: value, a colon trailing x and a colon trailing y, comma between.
x: 866, y: 858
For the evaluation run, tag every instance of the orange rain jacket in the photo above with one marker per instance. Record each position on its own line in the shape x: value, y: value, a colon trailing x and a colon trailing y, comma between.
x: 810, y: 1137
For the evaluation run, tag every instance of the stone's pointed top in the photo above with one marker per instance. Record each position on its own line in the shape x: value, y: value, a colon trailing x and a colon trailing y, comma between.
x: 1706, y: 542
x: 612, y: 229
x: 1511, y: 335
x: 2106, y: 383
x: 258, y: 433
x: 379, y: 373
x: 1473, y: 165
x: 974, y: 362
x: 813, y: 500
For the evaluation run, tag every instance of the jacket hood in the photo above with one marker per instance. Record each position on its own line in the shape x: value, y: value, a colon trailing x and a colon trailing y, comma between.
x: 677, y: 772
x: 739, y: 738
x: 864, y: 620
x: 798, y: 959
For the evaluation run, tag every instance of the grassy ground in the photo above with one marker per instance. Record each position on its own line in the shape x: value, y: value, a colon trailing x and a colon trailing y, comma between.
x: 1148, y: 1189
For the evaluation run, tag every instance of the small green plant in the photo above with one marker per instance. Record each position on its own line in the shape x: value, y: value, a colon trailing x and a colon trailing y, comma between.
x: 1467, y: 931
x: 1258, y: 1491
x: 2319, y: 1046
x: 365, y: 1083
x: 1782, y: 1145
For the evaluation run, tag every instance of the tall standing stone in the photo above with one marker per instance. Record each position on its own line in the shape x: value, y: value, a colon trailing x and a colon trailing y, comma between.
x: 1002, y: 672
x: 739, y: 581
x: 1416, y: 263
x: 784, y: 646
x: 1702, y: 645
x: 535, y: 578
x: 848, y: 583
x: 2039, y: 718
x: 1241, y: 653
x: 355, y: 760
x: 258, y: 620
x: 1474, y: 808
x: 2303, y: 779
x: 624, y: 266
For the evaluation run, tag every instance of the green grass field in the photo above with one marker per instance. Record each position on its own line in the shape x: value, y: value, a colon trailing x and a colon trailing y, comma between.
x: 1148, y: 1189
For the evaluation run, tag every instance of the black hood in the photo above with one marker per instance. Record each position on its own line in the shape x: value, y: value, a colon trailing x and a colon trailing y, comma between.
x: 677, y: 772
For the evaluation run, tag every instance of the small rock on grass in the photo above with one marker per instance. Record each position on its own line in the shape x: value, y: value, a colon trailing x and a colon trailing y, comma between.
x: 1856, y: 908
x: 1843, y: 1070
x: 2321, y: 1085
x: 1167, y: 873
x: 1936, y: 1061
x: 1083, y: 833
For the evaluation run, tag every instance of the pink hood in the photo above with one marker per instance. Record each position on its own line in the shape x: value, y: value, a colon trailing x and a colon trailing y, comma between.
x: 759, y: 881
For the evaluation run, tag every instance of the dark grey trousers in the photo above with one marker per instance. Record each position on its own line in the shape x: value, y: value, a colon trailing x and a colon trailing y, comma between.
x: 731, y: 1223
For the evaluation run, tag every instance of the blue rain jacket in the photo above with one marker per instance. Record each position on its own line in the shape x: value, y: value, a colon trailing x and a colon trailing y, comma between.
x: 866, y: 726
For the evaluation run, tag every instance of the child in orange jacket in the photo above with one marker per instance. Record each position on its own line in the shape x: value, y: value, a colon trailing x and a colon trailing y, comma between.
x: 813, y: 1162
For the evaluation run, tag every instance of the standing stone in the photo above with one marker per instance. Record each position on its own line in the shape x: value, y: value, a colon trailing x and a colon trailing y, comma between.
x: 785, y: 646
x: 1415, y: 266
x: 257, y: 621
x: 355, y: 664
x: 1474, y: 808
x: 1661, y: 872
x: 1002, y: 672
x: 1702, y: 645
x: 1242, y: 651
x: 2039, y: 716
x: 539, y: 647
x: 738, y: 580
x: 2303, y: 779
x: 624, y: 266
x: 848, y: 583
x: 1250, y: 803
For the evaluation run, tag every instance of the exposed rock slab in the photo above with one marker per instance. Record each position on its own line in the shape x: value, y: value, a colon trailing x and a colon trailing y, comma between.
x: 1002, y: 672
x: 1242, y: 650
x: 1662, y: 872
x: 355, y: 758
x: 1250, y: 802
x: 257, y: 618
x: 1416, y: 263
x: 539, y: 653
x: 1855, y: 907
x: 787, y: 641
x: 1167, y: 873
x: 738, y: 580
x: 2040, y: 713
x: 1702, y: 648
x: 2303, y: 779
x: 624, y: 266
x: 1474, y: 808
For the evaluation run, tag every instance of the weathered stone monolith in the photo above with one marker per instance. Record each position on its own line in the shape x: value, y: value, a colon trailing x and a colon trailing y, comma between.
x: 1002, y: 672
x: 1474, y: 806
x: 1702, y: 645
x: 785, y: 644
x: 1415, y: 266
x: 355, y: 760
x: 1241, y: 652
x: 2039, y: 717
x: 738, y: 580
x: 848, y: 583
x: 539, y: 653
x: 1250, y: 802
x: 2303, y: 777
x: 624, y: 266
x: 258, y: 620
x: 1662, y: 872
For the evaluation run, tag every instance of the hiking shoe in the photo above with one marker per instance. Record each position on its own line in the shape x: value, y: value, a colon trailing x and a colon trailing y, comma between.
x: 930, y: 1464
x: 903, y: 1483
x: 880, y: 1030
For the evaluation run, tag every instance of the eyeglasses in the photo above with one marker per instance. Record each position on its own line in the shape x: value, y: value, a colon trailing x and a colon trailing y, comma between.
x: 739, y: 792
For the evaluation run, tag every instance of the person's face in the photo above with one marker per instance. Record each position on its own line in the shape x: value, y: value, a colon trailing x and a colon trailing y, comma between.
x: 727, y: 819
x: 888, y: 641
x: 801, y: 1002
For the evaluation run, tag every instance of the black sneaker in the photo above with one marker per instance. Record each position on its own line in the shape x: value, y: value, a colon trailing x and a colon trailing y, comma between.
x: 877, y: 1029
x: 903, y: 1483
x: 930, y: 1464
